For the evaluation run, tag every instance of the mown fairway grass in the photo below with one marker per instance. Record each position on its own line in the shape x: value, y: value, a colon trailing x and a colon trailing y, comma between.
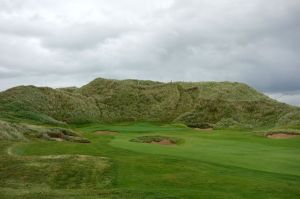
x: 208, y: 164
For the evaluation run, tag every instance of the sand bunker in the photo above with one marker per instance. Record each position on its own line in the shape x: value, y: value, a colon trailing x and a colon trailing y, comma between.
x: 207, y: 129
x: 282, y: 135
x: 57, y: 139
x: 163, y: 142
x: 60, y: 135
x: 106, y: 132
x: 157, y: 139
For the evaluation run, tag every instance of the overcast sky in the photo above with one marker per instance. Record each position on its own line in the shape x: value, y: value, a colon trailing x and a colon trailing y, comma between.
x: 63, y: 43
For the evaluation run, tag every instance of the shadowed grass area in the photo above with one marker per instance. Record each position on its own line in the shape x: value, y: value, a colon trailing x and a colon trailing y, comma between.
x: 215, y: 164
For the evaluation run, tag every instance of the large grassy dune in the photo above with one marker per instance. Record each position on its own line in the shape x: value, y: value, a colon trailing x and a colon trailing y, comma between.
x: 198, y: 104
x: 144, y: 139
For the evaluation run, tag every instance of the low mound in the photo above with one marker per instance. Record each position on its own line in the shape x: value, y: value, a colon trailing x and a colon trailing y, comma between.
x: 106, y: 132
x: 163, y: 140
x: 53, y: 170
x: 12, y: 131
x: 17, y: 131
x: 60, y: 134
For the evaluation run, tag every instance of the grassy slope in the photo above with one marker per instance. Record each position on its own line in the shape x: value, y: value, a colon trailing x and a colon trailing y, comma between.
x: 24, y: 132
x: 220, y: 164
x: 203, y: 104
x: 46, y: 105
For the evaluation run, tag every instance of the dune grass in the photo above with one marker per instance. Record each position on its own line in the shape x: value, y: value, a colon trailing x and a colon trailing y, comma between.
x: 209, y: 164
x: 198, y: 104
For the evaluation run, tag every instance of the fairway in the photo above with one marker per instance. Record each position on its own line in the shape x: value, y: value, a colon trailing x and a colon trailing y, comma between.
x: 204, y: 164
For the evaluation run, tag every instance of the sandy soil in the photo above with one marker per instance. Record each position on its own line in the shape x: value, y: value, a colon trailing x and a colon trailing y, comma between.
x: 208, y: 129
x: 57, y: 139
x: 282, y: 136
x: 106, y: 133
x: 163, y: 142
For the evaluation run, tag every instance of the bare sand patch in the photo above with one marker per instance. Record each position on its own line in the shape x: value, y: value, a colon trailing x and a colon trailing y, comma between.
x: 282, y: 135
x: 163, y: 142
x: 206, y: 129
x: 157, y: 139
x: 57, y: 139
x: 106, y: 132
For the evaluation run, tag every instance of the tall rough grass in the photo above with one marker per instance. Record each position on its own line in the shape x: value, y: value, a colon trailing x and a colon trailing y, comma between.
x: 202, y: 104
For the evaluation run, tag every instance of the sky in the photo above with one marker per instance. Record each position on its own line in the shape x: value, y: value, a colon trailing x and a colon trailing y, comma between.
x: 69, y: 43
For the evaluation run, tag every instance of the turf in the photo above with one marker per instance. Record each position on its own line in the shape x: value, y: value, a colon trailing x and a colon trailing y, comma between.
x: 208, y: 164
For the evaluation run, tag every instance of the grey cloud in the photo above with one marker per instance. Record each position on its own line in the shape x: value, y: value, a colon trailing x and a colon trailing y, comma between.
x: 7, y: 73
x: 287, y: 97
x: 20, y: 27
x: 197, y: 40
x: 81, y: 36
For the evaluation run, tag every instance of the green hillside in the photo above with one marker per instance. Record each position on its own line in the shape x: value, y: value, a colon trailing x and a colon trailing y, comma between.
x: 199, y: 104
x: 129, y: 139
x: 46, y: 105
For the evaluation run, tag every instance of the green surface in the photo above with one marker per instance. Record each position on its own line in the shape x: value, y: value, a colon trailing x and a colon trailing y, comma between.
x: 208, y: 164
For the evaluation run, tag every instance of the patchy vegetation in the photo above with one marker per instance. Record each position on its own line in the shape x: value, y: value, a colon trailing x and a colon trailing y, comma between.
x: 38, y: 176
x: 15, y: 131
x: 199, y: 105
x: 11, y: 131
x: 60, y: 134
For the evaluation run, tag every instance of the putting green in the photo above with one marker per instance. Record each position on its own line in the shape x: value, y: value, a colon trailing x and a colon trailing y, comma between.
x: 232, y: 148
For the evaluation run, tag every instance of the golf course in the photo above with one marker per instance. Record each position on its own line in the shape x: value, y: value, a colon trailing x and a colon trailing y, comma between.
x: 204, y: 164
x: 160, y: 99
x: 144, y: 139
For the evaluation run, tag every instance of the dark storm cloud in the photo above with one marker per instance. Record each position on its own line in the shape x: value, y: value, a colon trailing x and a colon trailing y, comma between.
x: 256, y: 42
